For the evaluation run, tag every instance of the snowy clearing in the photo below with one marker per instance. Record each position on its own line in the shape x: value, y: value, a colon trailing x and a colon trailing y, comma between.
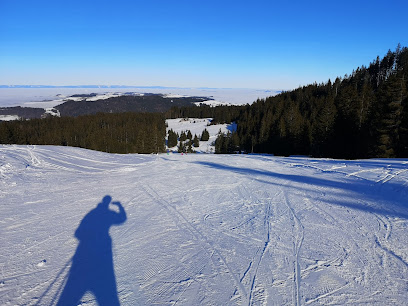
x: 212, y: 103
x: 203, y: 229
x: 9, y: 117
x: 196, y: 126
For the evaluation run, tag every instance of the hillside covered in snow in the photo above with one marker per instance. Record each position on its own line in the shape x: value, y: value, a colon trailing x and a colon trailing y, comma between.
x: 200, y: 229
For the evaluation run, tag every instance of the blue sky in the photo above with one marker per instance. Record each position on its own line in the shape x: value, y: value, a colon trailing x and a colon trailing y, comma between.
x: 237, y: 44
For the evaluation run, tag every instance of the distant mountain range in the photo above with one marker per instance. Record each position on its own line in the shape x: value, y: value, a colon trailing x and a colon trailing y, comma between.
x: 120, y: 86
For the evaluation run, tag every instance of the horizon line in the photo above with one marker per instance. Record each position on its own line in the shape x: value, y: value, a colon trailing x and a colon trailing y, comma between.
x: 126, y: 86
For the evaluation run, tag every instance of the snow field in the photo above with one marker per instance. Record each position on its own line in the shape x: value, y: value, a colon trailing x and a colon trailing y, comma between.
x: 9, y: 117
x: 208, y: 229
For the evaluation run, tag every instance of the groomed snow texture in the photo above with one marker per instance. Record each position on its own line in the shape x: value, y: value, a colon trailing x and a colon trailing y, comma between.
x: 205, y: 229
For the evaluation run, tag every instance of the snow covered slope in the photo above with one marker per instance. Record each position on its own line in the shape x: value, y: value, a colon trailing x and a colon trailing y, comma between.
x: 204, y: 229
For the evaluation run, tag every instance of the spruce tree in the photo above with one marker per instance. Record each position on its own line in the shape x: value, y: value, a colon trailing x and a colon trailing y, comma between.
x: 205, y: 136
x: 196, y: 142
x: 172, y: 139
x: 189, y: 146
x: 183, y: 136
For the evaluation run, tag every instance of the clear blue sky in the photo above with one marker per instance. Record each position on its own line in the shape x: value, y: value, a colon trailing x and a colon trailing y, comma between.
x: 241, y: 44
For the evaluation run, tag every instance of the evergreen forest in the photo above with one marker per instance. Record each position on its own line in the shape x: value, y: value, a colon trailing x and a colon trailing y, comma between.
x: 113, y: 133
x: 363, y: 115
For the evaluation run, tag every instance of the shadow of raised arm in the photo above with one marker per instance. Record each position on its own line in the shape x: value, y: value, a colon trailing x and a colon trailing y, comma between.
x: 121, y: 215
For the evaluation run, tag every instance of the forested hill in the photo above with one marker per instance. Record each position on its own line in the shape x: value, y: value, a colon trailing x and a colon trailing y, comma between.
x: 126, y: 103
x: 129, y: 102
x: 364, y: 114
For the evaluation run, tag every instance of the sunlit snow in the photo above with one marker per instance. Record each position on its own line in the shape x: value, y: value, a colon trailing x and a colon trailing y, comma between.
x: 9, y: 117
x: 202, y: 229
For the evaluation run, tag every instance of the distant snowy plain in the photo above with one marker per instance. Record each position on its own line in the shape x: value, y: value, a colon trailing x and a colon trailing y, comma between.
x: 205, y: 229
x: 51, y: 97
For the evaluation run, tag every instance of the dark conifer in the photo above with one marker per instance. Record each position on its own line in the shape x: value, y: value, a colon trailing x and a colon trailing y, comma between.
x: 172, y: 139
x: 196, y: 142
x: 205, y: 136
x: 189, y: 135
x: 183, y: 136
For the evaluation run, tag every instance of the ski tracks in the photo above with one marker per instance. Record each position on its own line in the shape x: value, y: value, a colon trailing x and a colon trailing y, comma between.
x: 268, y: 220
x: 298, y: 241
x: 267, y: 234
x: 41, y: 157
x: 183, y: 223
x: 382, y: 241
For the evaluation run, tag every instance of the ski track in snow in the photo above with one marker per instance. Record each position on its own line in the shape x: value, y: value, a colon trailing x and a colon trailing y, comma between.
x: 208, y: 229
x: 297, y: 248
x: 200, y: 236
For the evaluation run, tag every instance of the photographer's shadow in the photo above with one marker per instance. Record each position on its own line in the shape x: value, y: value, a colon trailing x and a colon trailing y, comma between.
x: 92, y: 265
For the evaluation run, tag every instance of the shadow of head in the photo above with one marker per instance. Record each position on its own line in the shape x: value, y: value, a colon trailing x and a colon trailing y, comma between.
x: 106, y: 200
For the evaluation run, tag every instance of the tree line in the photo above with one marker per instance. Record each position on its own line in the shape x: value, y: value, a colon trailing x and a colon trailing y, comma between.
x: 113, y: 133
x: 219, y: 114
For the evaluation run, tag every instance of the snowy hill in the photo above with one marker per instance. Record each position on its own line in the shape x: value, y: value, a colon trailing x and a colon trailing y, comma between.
x: 201, y: 229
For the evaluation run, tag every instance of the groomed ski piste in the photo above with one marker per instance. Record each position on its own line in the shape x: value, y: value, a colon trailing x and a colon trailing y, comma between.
x: 204, y: 229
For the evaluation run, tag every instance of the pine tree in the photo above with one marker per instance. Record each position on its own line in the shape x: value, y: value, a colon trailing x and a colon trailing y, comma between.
x: 181, y: 148
x: 196, y: 142
x: 183, y: 136
x: 205, y: 136
x: 172, y: 139
x: 189, y: 146
x: 189, y: 135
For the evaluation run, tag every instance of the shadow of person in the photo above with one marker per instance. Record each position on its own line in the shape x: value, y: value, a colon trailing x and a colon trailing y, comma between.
x: 92, y: 265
